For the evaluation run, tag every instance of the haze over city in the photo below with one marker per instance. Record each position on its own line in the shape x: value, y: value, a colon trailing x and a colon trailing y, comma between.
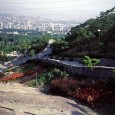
x: 79, y: 10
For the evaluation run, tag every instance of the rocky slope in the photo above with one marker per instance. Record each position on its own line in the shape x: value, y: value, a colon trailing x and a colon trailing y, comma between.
x: 18, y: 99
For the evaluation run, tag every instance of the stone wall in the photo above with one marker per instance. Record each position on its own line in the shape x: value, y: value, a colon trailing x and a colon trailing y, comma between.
x: 103, y: 62
x: 100, y: 72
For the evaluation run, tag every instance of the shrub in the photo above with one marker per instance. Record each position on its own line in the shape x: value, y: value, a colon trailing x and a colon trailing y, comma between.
x: 16, y: 75
x: 47, y: 76
x: 42, y: 79
x: 101, y: 91
x: 57, y: 72
x: 94, y: 94
x: 64, y: 86
x: 90, y: 62
x: 32, y: 53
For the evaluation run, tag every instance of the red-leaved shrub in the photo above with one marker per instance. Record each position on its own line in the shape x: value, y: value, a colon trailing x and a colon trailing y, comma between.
x: 99, y: 92
x: 16, y: 75
x: 64, y: 86
x: 94, y: 93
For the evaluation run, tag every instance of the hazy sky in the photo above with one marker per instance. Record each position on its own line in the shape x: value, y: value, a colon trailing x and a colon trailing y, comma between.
x: 71, y: 9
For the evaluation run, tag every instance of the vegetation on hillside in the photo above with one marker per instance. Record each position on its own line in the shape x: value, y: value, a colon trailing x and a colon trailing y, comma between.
x: 95, y: 37
x: 26, y: 44
x: 89, y: 29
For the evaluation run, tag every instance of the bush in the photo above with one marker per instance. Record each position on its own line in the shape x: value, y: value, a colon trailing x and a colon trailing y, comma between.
x: 42, y: 79
x: 94, y: 94
x: 58, y: 73
x: 90, y: 62
x: 100, y: 92
x: 47, y: 76
x: 64, y: 86
x: 16, y: 75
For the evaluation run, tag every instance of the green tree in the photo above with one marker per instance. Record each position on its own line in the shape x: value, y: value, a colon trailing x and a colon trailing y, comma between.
x: 32, y: 53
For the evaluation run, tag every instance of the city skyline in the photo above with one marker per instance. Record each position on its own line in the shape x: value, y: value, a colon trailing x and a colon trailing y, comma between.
x: 75, y: 9
x: 27, y: 25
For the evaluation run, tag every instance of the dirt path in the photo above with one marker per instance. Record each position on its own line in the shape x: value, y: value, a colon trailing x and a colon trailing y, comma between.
x: 17, y: 99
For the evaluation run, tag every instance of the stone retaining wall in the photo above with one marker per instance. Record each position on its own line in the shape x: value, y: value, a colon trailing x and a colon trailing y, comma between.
x: 103, y: 62
x: 96, y: 72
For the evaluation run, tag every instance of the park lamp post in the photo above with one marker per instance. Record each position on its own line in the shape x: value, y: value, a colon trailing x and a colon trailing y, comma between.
x: 99, y: 34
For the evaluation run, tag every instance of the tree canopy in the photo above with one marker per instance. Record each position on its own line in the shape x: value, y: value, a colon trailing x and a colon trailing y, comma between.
x: 89, y: 29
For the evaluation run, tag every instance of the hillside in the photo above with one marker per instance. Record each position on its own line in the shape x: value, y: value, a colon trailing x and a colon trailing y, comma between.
x: 95, y: 37
x: 93, y: 48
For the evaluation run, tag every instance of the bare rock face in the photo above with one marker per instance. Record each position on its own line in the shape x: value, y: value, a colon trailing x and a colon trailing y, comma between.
x: 17, y: 99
